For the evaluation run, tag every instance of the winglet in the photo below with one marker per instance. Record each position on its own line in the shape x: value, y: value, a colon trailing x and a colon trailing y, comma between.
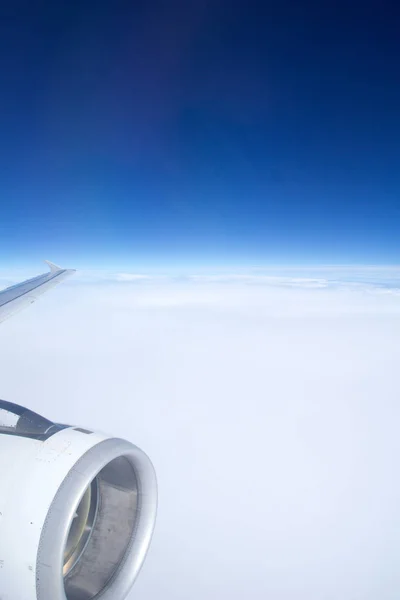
x: 53, y: 268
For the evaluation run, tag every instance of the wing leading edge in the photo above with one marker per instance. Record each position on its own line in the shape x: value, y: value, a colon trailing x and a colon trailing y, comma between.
x: 17, y: 297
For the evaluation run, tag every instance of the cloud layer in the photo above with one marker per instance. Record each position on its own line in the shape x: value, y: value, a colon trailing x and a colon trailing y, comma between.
x: 268, y: 406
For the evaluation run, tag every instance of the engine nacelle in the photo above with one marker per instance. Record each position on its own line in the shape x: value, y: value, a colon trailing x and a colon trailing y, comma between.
x: 77, y: 510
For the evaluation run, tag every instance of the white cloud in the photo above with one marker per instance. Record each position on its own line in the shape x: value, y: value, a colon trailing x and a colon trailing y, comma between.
x: 269, y: 408
x: 131, y: 277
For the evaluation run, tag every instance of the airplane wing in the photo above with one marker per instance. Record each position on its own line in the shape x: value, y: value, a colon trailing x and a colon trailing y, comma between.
x: 80, y: 525
x: 16, y: 297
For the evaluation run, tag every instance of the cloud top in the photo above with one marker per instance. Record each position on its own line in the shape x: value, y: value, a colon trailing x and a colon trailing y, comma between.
x: 269, y: 407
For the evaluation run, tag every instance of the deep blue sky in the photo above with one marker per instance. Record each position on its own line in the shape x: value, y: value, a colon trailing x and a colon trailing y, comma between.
x: 200, y: 131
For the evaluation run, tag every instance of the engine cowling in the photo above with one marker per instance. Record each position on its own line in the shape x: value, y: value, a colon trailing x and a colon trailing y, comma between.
x: 77, y: 510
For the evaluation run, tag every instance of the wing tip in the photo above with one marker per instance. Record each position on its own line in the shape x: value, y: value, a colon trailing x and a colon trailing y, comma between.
x: 53, y: 267
x: 56, y: 269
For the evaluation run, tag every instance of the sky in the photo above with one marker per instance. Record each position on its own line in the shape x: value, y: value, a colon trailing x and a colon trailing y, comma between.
x: 268, y: 405
x: 183, y: 133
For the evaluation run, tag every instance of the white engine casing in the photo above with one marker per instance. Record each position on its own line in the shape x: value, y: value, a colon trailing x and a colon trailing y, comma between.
x: 42, y: 484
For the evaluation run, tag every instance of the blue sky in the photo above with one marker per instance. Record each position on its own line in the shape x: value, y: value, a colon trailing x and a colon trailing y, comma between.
x: 199, y: 133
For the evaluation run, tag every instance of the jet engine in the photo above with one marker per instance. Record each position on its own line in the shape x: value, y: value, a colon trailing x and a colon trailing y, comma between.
x: 77, y: 510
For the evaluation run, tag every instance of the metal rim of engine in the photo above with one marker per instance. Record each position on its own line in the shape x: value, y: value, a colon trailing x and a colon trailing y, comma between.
x: 50, y: 580
x: 81, y: 527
